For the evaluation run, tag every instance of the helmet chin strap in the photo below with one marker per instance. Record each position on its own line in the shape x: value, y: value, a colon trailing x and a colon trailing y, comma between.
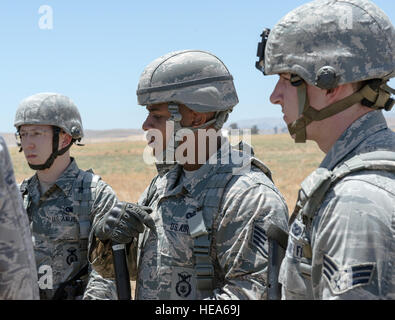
x: 55, y: 152
x: 168, y: 155
x: 376, y: 94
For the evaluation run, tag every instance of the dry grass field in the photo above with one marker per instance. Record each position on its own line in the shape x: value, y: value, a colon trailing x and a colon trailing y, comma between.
x: 120, y: 164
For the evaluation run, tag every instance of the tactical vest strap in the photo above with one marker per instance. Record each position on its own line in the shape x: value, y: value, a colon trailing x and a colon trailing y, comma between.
x: 378, y: 160
x: 196, y: 225
x: 319, y: 182
x: 84, y: 194
x: 25, y: 196
x: 203, y: 265
x: 315, y: 186
x: 23, y: 186
x: 258, y: 163
x: 202, y: 234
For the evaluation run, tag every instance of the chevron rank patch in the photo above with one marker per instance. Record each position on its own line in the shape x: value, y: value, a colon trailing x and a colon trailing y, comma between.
x: 259, y: 240
x: 342, y: 279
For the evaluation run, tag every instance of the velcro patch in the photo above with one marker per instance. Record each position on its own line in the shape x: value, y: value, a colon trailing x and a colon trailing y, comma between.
x: 183, y: 284
x: 343, y: 279
x: 259, y: 239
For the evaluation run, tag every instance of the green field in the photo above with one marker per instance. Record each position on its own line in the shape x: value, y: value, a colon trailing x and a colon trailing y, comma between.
x: 121, y: 164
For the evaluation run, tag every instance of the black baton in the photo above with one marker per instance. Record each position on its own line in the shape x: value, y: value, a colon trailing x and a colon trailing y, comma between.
x: 277, y: 246
x: 122, y: 279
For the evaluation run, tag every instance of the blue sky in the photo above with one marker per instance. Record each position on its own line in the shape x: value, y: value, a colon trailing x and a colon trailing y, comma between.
x: 97, y: 50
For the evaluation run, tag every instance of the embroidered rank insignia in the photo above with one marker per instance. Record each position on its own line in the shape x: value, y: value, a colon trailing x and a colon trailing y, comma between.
x: 259, y: 239
x: 342, y: 279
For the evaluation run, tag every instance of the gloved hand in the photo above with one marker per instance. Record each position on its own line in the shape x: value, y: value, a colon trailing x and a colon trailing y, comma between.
x: 124, y: 222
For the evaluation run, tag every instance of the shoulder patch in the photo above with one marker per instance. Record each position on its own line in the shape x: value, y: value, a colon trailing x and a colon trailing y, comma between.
x: 342, y: 279
x: 259, y: 240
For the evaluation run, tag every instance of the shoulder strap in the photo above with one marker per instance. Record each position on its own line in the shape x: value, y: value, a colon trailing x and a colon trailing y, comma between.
x: 25, y: 196
x: 151, y: 191
x: 84, y: 194
x: 320, y: 181
x: 211, y: 202
x: 260, y: 165
x: 316, y: 185
x: 23, y: 186
x: 201, y: 234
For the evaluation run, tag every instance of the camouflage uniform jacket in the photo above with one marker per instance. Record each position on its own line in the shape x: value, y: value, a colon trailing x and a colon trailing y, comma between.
x: 347, y: 249
x: 250, y: 201
x: 18, y: 279
x: 61, y: 235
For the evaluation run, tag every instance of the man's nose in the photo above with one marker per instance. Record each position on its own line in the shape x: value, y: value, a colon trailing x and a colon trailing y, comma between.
x: 28, y: 143
x: 147, y: 124
x: 276, y: 96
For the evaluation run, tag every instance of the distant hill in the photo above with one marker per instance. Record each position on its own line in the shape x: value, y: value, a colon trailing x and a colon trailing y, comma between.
x: 115, y: 133
x: 92, y: 136
x: 265, y: 126
x: 270, y: 125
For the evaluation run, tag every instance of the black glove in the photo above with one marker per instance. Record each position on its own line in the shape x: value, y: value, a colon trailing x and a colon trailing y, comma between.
x: 124, y: 222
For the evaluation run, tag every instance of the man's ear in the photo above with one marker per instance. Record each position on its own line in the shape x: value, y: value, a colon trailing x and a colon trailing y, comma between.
x: 198, y: 119
x: 65, y: 140
x: 339, y: 92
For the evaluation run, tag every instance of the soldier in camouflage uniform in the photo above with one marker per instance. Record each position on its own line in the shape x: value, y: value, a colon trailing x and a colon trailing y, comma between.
x: 334, y: 59
x: 60, y: 199
x: 18, y: 278
x: 211, y: 218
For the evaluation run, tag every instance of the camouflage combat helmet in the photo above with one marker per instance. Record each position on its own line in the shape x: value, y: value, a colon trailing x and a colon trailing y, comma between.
x: 194, y: 78
x: 55, y: 110
x: 327, y: 43
x: 50, y: 109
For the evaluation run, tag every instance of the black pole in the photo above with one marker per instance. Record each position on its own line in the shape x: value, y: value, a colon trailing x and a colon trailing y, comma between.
x: 122, y: 279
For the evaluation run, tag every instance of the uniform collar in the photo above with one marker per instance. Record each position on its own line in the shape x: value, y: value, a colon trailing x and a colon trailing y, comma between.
x: 347, y: 145
x: 64, y: 182
x: 67, y: 178
x: 172, y: 178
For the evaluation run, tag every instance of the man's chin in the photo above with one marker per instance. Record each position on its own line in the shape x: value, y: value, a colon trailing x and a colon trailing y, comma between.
x: 33, y: 163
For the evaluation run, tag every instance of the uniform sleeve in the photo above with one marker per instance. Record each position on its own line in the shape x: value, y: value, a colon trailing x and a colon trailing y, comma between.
x: 354, y: 243
x: 98, y: 287
x: 18, y: 273
x: 104, y: 201
x: 241, y: 241
x: 99, y: 253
